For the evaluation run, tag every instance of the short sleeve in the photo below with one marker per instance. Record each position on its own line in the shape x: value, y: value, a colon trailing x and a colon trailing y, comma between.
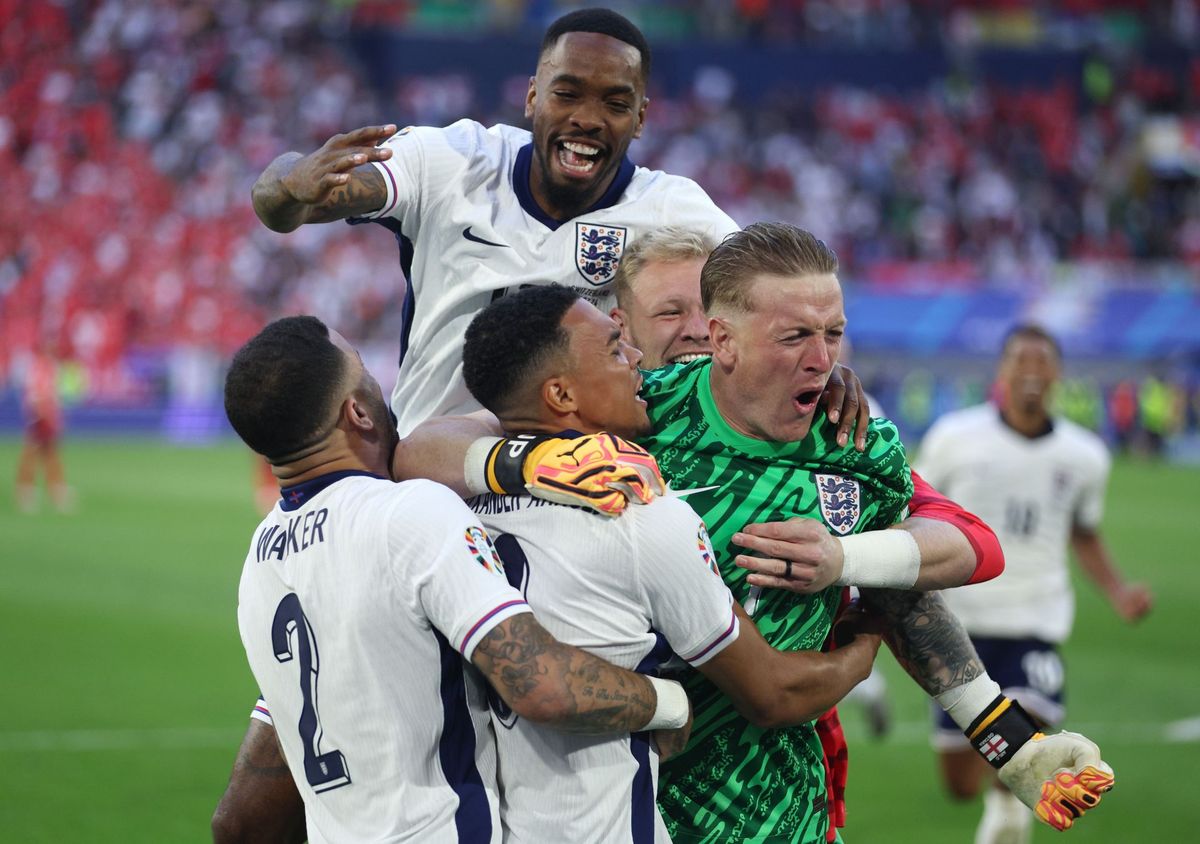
x: 1090, y: 508
x: 689, y: 206
x: 689, y: 603
x: 459, y: 579
x: 260, y: 712
x: 426, y: 161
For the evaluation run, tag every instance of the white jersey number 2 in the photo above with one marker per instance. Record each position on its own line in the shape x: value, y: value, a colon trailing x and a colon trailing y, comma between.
x: 324, y: 771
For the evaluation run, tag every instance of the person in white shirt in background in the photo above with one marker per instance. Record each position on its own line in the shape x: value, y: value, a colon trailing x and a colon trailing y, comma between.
x: 1039, y: 481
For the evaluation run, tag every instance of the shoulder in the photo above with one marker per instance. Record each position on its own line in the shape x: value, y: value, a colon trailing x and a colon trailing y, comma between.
x: 976, y: 418
x: 689, y: 204
x: 673, y: 378
x: 1086, y: 446
x: 424, y: 504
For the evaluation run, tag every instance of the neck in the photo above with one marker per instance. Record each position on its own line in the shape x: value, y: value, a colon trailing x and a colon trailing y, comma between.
x: 1028, y: 422
x: 330, y: 458
x: 522, y: 424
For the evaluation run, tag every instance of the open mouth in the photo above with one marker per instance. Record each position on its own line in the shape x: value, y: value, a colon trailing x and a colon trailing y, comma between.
x: 806, y: 402
x: 689, y: 357
x: 577, y: 158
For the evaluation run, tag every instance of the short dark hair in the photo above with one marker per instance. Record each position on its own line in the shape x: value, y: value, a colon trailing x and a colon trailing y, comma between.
x: 510, y: 341
x: 777, y: 249
x: 602, y: 21
x: 1030, y: 331
x: 283, y: 386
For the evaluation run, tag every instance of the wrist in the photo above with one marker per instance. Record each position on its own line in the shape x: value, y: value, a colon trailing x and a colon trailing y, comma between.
x: 671, y: 708
x: 888, y: 559
x: 996, y: 725
x: 498, y: 465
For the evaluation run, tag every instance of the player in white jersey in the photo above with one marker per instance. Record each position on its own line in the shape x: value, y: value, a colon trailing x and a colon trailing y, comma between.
x: 481, y: 211
x: 1040, y: 482
x: 360, y: 599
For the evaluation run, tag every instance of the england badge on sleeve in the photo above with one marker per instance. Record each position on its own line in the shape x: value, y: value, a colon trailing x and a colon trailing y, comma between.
x: 841, y: 502
x: 598, y: 250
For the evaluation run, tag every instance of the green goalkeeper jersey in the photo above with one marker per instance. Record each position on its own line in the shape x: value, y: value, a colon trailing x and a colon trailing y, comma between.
x: 735, y: 781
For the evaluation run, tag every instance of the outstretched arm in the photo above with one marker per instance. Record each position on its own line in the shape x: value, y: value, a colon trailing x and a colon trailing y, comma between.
x: 332, y: 183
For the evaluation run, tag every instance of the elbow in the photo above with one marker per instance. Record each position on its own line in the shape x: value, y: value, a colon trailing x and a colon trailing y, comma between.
x: 548, y: 709
x: 226, y: 829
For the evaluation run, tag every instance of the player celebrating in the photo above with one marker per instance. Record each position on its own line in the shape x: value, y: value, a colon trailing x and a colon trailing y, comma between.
x: 481, y: 211
x: 632, y: 590
x: 744, y: 429
x: 657, y: 286
x: 381, y: 725
x: 1040, y: 481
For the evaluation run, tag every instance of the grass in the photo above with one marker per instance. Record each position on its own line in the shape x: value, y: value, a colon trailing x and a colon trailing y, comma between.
x: 127, y: 691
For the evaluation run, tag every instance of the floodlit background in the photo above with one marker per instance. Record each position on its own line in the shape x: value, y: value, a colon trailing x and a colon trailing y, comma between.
x: 972, y: 163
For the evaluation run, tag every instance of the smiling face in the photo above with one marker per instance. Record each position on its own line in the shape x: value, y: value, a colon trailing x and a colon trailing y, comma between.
x: 602, y: 378
x: 1028, y: 371
x: 663, y: 315
x: 772, y: 360
x: 587, y: 103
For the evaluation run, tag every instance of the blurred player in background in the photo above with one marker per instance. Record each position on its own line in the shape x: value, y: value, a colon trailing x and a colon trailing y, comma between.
x: 43, y: 430
x: 402, y: 587
x: 1039, y: 480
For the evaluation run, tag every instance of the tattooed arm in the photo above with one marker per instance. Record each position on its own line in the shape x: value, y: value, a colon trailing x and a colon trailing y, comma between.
x: 261, y: 802
x: 927, y: 639
x: 561, y: 686
x: 335, y: 182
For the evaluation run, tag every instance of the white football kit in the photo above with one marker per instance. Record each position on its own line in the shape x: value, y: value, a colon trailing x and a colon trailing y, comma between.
x: 635, y: 591
x: 1031, y: 492
x: 458, y: 201
x: 359, y: 600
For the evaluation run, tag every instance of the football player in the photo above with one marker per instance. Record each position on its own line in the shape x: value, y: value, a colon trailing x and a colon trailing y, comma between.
x: 1039, y: 480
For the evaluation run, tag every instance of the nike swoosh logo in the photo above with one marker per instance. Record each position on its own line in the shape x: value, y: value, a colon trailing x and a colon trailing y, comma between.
x: 475, y: 239
x: 683, y: 493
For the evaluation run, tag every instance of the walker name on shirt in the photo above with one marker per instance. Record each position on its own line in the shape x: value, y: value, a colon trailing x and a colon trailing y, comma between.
x: 301, y: 532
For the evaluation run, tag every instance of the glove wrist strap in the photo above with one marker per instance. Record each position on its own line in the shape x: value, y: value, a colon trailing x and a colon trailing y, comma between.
x: 1000, y: 730
x: 504, y: 464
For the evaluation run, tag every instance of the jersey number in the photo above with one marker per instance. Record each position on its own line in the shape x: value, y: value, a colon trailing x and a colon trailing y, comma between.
x: 324, y: 771
x: 1021, y: 517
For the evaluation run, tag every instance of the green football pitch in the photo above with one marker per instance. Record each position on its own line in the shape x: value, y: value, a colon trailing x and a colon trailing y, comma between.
x: 126, y: 692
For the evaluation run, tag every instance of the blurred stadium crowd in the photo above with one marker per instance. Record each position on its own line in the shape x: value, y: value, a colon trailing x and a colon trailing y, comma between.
x: 131, y: 131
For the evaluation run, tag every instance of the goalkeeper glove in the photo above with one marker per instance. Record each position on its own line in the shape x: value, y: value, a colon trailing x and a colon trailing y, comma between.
x: 599, y: 471
x: 1059, y: 776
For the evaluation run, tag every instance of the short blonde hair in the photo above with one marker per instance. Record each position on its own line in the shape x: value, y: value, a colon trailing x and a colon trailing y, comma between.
x: 778, y: 249
x: 668, y: 243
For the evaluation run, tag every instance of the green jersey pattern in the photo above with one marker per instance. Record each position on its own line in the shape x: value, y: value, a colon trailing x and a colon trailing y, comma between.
x: 735, y: 781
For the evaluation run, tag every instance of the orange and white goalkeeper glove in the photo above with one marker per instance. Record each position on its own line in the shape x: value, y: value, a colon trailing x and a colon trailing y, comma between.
x: 1058, y: 776
x: 599, y: 471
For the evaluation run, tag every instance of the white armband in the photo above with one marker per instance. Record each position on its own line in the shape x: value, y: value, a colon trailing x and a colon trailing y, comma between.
x: 475, y: 464
x: 964, y: 703
x: 888, y: 559
x: 672, y: 710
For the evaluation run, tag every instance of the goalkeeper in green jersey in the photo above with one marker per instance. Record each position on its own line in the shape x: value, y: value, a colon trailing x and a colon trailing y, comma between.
x: 745, y: 432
